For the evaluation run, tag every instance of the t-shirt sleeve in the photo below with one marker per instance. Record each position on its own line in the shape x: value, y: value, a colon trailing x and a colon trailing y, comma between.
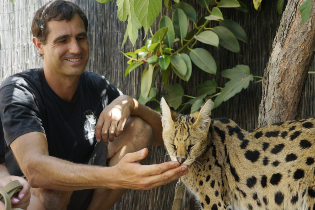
x: 18, y: 111
x: 2, y: 145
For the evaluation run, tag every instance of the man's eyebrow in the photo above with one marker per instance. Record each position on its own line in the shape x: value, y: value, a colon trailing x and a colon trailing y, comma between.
x: 61, y: 37
x: 82, y: 34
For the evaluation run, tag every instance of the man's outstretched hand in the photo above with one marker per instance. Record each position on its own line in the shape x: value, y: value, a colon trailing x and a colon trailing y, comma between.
x: 130, y: 174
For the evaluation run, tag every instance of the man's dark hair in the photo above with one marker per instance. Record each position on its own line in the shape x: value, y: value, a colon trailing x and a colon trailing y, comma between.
x: 56, y: 10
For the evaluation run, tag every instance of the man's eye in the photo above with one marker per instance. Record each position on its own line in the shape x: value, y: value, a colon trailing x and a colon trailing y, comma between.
x: 62, y: 41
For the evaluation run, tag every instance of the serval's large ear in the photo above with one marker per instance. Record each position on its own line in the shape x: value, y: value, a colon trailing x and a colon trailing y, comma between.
x: 203, y: 119
x: 167, y: 121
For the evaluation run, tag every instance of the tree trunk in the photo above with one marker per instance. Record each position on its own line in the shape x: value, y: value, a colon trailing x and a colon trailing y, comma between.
x: 288, y: 66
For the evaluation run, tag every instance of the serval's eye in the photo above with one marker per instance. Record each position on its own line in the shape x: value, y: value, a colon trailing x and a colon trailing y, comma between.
x: 174, y: 147
x: 189, y: 148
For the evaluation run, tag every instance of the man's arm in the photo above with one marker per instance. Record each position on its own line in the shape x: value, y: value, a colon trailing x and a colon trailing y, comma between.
x: 114, y: 117
x: 44, y: 171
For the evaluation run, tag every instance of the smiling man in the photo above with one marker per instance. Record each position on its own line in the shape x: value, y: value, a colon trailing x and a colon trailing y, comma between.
x: 76, y: 138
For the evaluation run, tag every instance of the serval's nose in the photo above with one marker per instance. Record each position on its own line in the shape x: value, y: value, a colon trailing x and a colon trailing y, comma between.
x: 180, y: 160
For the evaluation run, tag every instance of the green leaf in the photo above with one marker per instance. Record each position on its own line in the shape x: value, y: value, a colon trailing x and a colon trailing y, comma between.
x: 179, y: 64
x: 187, y: 60
x: 151, y: 97
x: 240, y: 71
x: 243, y: 7
x: 132, y: 67
x: 215, y: 14
x: 123, y: 7
x: 208, y: 88
x: 167, y: 50
x: 146, y: 81
x: 165, y: 75
x: 175, y: 95
x: 148, y: 43
x: 227, y: 39
x: 236, y: 29
x: 208, y: 37
x: 203, y: 3
x: 180, y: 23
x: 12, y: 1
x: 188, y: 9
x: 240, y: 78
x: 204, y: 60
x: 142, y: 54
x: 133, y: 22
x: 153, y: 46
x: 196, y: 103
x: 146, y: 11
x: 132, y: 54
x: 280, y: 4
x: 168, y: 4
x: 190, y: 35
x: 164, y: 61
x: 177, y: 1
x: 170, y: 35
x: 229, y: 3
x: 212, y: 2
x: 153, y: 59
x: 156, y: 71
x: 202, y: 20
x: 257, y: 4
x: 159, y: 35
x: 305, y: 10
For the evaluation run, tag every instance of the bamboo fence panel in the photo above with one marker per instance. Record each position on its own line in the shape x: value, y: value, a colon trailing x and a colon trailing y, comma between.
x: 106, y: 33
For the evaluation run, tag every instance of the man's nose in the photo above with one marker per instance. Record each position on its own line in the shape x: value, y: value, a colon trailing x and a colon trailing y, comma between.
x: 75, y: 47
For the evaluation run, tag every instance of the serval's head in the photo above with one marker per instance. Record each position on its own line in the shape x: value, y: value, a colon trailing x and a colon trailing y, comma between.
x: 185, y: 136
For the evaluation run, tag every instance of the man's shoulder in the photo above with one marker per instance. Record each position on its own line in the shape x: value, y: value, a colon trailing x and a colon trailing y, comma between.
x: 23, y: 78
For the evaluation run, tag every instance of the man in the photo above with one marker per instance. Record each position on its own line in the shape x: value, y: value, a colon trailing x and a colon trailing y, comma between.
x: 48, y: 115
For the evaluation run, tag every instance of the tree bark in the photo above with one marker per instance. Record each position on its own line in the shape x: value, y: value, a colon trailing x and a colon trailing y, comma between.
x: 287, y: 70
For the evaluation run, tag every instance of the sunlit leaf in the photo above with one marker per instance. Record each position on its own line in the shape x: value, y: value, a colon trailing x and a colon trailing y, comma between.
x: 164, y: 61
x: 204, y: 60
x: 208, y: 88
x: 12, y: 1
x: 148, y: 43
x: 305, y: 10
x: 146, y: 81
x: 151, y: 97
x: 170, y: 35
x: 236, y: 29
x: 159, y: 35
x: 243, y: 7
x: 153, y: 59
x: 203, y: 3
x: 240, y: 78
x: 132, y: 67
x: 179, y: 64
x: 188, y: 9
x: 142, y: 54
x: 208, y: 37
x: 257, y: 4
x: 229, y: 3
x: 175, y: 95
x: 139, y: 50
x: 180, y: 23
x: 215, y: 14
x: 123, y: 7
x: 146, y: 11
x: 153, y: 46
x: 227, y: 39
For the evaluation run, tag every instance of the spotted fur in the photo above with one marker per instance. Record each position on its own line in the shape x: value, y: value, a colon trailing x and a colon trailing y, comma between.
x: 271, y: 168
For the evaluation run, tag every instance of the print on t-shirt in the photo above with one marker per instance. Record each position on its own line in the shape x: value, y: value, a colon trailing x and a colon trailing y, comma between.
x: 89, y: 126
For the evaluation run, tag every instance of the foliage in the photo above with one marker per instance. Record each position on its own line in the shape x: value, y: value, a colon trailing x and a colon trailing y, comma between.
x: 305, y: 8
x: 159, y: 54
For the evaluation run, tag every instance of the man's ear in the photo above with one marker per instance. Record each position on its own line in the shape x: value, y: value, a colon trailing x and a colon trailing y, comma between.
x: 39, y: 45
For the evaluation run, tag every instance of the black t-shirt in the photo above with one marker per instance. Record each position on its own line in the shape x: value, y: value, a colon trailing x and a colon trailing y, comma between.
x: 28, y: 104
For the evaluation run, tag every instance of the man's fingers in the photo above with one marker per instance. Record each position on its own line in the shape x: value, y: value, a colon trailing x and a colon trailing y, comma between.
x: 120, y: 126
x: 136, y: 156
x: 165, y: 177
x: 112, y: 130
x: 156, y: 169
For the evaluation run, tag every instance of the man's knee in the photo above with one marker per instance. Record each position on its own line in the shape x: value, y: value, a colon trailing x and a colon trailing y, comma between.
x: 52, y: 199
x: 141, y: 132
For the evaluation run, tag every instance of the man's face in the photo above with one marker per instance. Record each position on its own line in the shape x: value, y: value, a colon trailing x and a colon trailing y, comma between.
x: 66, y: 51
